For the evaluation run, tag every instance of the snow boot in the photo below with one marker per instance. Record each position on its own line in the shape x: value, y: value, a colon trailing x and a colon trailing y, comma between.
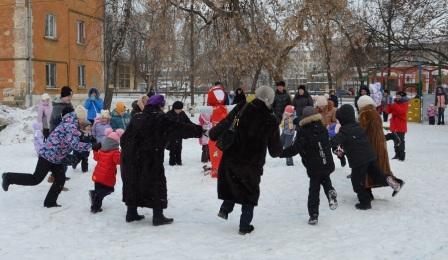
x: 363, y: 206
x: 332, y: 201
x: 313, y: 219
x: 244, y: 231
x: 132, y: 215
x: 94, y: 211
x: 5, y: 183
x: 223, y: 215
x: 52, y: 205
x: 402, y: 156
x: 397, y: 189
x: 161, y: 220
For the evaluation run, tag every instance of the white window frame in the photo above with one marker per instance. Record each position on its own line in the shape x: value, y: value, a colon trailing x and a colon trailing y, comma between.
x: 50, y: 75
x: 80, y: 32
x: 50, y: 26
x: 81, y: 76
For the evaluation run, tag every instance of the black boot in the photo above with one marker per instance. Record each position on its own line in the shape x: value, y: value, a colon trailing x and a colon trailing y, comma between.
x: 244, y: 231
x: 398, y: 187
x: 5, y: 183
x: 313, y: 219
x: 51, y: 205
x: 402, y: 156
x: 363, y: 206
x: 159, y: 219
x: 223, y: 215
x: 132, y: 215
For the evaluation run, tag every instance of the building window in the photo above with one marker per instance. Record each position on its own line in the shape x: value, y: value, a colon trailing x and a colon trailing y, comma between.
x: 81, y: 38
x: 82, y: 76
x: 124, y: 77
x: 50, y: 75
x: 50, y: 26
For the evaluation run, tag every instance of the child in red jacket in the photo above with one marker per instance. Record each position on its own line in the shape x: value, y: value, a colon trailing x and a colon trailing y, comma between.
x: 104, y: 176
x: 398, y: 124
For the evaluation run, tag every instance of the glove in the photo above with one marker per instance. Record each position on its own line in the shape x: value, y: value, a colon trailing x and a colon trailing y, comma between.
x: 96, y: 146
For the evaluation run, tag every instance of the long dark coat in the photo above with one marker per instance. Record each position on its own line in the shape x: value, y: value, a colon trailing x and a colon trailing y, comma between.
x: 143, y: 145
x: 241, y: 167
x: 281, y: 100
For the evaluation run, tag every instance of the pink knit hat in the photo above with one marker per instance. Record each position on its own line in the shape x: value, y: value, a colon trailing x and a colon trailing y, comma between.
x: 114, y: 135
x: 289, y: 109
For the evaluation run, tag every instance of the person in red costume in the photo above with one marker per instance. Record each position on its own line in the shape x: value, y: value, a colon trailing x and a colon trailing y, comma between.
x: 398, y: 124
x: 216, y: 98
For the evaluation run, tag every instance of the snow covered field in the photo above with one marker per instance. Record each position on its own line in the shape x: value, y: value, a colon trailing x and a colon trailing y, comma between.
x: 413, y: 225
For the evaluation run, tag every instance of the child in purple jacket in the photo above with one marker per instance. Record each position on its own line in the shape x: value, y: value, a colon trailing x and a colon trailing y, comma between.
x: 431, y: 113
x: 100, y: 126
x: 61, y: 142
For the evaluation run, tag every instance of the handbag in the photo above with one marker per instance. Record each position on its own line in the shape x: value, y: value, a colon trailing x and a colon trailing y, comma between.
x: 229, y: 136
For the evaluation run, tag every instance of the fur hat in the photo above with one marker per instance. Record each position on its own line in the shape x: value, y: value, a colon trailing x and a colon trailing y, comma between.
x: 156, y: 100
x: 45, y: 96
x: 112, y: 140
x: 346, y: 114
x: 308, y: 111
x: 81, y: 113
x: 364, y: 101
x: 120, y: 107
x: 105, y: 113
x: 178, y: 105
x: 321, y: 101
x: 289, y: 109
x: 265, y: 94
x: 66, y: 91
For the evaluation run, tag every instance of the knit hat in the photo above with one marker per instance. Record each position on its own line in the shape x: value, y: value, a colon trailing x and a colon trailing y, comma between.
x: 81, y: 113
x: 302, y: 87
x: 346, y: 114
x: 66, y: 91
x: 308, y: 111
x: 321, y: 101
x: 289, y: 109
x: 364, y: 101
x: 45, y: 96
x: 178, y: 105
x: 265, y: 94
x: 120, y: 107
x: 84, y: 123
x: 105, y: 113
x: 156, y: 100
x: 112, y: 140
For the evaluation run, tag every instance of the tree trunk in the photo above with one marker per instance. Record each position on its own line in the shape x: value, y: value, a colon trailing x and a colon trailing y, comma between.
x: 256, y: 77
x: 192, y: 54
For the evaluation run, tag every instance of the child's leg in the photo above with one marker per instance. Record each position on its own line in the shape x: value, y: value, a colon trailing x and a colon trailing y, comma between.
x: 85, y: 164
x: 432, y: 120
x: 179, y: 153
x: 358, y: 178
x: 401, y: 147
x: 327, y: 185
x: 42, y: 168
x: 101, y: 191
x: 288, y: 142
x: 205, y: 157
x: 313, y: 196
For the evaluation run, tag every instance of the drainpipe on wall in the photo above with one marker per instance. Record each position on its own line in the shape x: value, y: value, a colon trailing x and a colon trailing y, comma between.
x: 29, y: 65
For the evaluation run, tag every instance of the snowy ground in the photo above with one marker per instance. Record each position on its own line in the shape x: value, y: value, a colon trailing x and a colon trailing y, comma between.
x: 412, y: 225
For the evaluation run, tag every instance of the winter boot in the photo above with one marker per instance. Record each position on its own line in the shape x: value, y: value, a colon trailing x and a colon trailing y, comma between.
x: 332, y: 201
x: 402, y: 156
x: 395, y: 183
x: 313, y: 219
x: 5, y: 183
x: 244, y: 231
x: 132, y: 215
x: 363, y: 206
x: 161, y: 220
x: 223, y: 215
x: 51, y: 205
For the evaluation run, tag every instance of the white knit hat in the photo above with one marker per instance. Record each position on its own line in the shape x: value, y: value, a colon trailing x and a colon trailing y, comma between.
x: 321, y: 101
x: 364, y: 101
x: 105, y: 113
x: 265, y: 94
x: 81, y: 113
x: 45, y: 96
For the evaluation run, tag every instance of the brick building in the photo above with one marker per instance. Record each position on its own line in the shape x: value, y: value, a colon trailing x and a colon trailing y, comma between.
x: 45, y: 45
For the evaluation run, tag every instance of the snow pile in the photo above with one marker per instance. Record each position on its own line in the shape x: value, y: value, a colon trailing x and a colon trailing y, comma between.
x: 19, y: 124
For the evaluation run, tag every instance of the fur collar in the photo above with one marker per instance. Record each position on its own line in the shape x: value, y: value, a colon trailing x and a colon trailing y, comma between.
x: 310, y: 119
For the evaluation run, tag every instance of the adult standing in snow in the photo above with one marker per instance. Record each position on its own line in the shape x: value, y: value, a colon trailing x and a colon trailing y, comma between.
x: 398, y: 124
x: 178, y: 115
x: 441, y: 105
x: 143, y: 145
x: 334, y: 98
x: 59, y: 105
x: 301, y: 100
x: 242, y: 164
x: 239, y: 97
x: 61, y: 142
x: 119, y: 117
x: 281, y: 100
x: 44, y: 110
x: 363, y: 90
x: 93, y: 104
x: 138, y: 105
